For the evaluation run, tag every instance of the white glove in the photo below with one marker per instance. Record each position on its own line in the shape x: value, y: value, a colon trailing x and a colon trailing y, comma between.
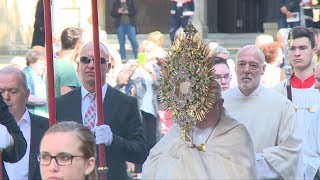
x: 4, y: 137
x: 103, y: 134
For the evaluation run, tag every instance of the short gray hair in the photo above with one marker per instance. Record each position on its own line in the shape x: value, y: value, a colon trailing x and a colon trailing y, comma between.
x: 220, y: 49
x: 18, y: 72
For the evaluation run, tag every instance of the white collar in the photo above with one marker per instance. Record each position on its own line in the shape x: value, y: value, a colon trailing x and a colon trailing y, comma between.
x: 253, y: 94
x: 84, y: 92
x: 25, y: 118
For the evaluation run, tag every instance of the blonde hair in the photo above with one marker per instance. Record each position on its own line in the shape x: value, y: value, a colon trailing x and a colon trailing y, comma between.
x: 263, y: 39
x: 156, y: 37
x: 35, y: 54
x: 146, y: 46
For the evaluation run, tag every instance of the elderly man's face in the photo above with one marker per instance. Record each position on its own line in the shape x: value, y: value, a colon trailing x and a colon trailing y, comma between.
x: 14, y: 94
x: 86, y: 65
x: 317, y: 77
x: 212, y: 116
x: 249, y: 68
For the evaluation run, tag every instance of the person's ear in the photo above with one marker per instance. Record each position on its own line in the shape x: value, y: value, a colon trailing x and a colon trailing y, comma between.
x: 221, y: 102
x: 27, y: 95
x: 77, y: 50
x: 263, y: 69
x: 90, y: 165
x: 111, y: 60
x: 109, y: 66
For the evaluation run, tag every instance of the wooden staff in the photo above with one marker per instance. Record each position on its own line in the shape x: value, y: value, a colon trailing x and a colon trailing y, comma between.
x: 51, y: 97
x: 49, y: 54
x: 95, y: 26
x: 51, y: 102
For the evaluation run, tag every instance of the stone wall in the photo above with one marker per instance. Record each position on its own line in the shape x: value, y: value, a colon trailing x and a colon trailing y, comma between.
x: 16, y: 25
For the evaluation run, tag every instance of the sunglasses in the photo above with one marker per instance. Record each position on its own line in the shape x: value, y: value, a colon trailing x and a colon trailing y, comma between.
x: 87, y: 60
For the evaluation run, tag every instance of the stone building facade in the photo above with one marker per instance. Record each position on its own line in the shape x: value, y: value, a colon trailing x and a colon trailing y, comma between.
x: 211, y: 16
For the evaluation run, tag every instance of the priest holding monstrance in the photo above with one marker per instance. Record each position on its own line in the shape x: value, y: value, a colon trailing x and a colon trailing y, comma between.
x: 201, y: 144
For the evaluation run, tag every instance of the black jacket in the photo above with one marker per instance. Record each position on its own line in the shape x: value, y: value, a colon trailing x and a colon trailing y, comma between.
x: 189, y: 6
x: 39, y: 125
x: 117, y: 17
x: 122, y: 114
x: 291, y: 5
x: 20, y: 144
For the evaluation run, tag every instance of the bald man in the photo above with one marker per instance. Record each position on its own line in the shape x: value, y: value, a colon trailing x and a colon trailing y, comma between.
x: 268, y: 116
x: 121, y: 132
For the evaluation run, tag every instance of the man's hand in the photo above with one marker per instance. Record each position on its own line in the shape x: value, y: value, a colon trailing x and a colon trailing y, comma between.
x: 289, y: 14
x: 103, y: 134
x: 123, y: 11
x: 4, y: 137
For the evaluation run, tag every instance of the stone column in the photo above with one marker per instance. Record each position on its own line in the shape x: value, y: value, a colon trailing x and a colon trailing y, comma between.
x: 200, y: 17
x: 86, y: 20
x: 16, y: 26
x: 102, y: 14
x: 85, y: 13
x: 4, y: 28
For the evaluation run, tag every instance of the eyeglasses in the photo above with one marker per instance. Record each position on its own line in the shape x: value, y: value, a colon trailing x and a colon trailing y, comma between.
x: 62, y: 159
x: 219, y: 77
x: 87, y: 60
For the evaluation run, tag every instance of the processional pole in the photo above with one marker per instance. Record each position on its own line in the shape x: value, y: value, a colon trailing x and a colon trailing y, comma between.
x: 102, y: 169
x: 49, y: 54
x: 287, y: 67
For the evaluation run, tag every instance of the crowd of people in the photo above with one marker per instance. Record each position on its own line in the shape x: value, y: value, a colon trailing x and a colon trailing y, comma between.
x: 139, y: 141
x: 187, y: 112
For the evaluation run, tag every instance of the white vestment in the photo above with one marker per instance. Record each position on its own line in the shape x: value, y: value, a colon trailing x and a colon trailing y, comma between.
x: 229, y: 155
x: 312, y: 153
x: 270, y: 120
x: 307, y: 104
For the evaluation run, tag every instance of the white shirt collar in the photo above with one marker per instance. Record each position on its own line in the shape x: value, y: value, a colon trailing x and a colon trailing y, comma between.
x: 84, y: 92
x: 25, y: 118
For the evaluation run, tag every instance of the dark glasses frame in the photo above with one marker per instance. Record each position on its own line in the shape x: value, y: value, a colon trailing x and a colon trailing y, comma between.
x: 87, y: 60
x: 62, y: 159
